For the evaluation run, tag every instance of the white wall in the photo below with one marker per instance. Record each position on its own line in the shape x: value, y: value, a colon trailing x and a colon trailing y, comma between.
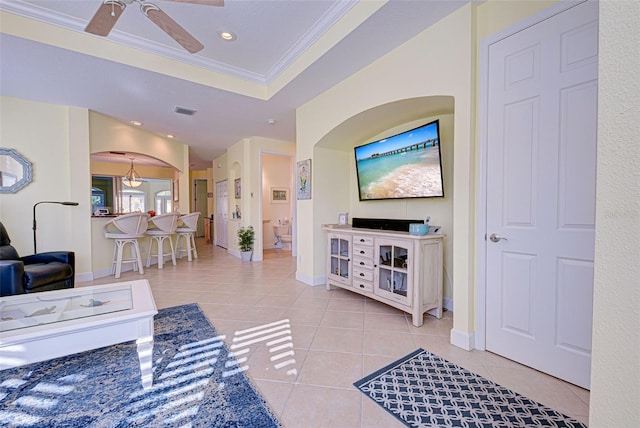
x: 615, y: 366
x: 80, y: 190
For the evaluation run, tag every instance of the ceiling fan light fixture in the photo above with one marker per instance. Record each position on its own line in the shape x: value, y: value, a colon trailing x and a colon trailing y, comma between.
x: 113, y: 4
x: 146, y: 7
x: 132, y: 179
x: 135, y: 122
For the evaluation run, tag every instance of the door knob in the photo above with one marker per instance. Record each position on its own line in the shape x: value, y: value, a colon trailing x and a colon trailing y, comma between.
x: 494, y: 237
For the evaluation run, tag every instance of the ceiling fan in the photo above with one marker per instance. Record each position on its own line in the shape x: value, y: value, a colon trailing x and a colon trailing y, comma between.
x: 110, y: 10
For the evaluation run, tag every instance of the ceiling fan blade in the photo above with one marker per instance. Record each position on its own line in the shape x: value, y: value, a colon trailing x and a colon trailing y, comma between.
x: 105, y: 18
x: 172, y: 28
x: 202, y: 2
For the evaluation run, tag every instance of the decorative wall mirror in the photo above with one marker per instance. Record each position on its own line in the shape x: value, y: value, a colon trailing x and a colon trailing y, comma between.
x: 15, y: 171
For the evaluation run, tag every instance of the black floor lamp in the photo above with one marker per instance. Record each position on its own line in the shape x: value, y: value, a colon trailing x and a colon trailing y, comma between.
x: 35, y: 251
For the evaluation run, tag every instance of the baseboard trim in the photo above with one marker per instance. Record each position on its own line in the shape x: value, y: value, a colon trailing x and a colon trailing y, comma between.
x: 87, y: 276
x: 313, y: 281
x: 462, y: 340
x: 101, y: 273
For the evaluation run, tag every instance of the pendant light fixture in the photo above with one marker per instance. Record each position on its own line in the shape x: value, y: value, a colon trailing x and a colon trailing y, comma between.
x: 132, y: 179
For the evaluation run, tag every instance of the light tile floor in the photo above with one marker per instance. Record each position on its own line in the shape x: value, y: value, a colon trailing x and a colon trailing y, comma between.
x: 338, y: 337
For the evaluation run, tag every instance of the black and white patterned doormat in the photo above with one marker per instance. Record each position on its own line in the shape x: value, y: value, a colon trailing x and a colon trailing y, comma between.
x: 424, y: 390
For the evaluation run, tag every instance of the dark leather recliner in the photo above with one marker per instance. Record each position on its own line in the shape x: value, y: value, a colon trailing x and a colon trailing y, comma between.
x: 38, y: 272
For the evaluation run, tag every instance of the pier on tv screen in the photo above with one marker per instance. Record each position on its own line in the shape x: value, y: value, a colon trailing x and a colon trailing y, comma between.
x: 406, y: 165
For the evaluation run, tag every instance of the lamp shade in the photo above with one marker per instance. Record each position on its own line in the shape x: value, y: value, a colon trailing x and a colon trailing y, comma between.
x: 132, y: 179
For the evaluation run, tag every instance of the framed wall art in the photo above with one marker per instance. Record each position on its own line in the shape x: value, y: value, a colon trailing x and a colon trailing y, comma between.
x: 343, y: 218
x: 237, y: 188
x: 303, y: 181
x: 279, y: 195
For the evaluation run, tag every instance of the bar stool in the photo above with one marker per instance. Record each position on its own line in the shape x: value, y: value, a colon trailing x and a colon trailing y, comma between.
x: 163, y: 226
x: 129, y: 227
x: 186, y: 235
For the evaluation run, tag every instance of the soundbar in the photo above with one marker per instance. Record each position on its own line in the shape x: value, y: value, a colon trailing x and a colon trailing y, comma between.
x: 383, y: 224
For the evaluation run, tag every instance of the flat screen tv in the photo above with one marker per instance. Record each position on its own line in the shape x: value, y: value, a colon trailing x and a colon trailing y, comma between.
x: 406, y: 165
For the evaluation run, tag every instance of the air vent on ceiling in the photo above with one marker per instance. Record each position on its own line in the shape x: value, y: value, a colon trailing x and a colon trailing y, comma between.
x: 185, y: 111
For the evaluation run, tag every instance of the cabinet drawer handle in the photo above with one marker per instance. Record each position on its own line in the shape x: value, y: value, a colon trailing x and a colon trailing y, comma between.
x: 361, y: 240
x: 361, y: 263
x: 361, y: 285
x: 361, y: 274
x: 361, y: 252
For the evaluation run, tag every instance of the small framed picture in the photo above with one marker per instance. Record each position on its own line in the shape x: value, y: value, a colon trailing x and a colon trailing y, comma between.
x: 237, y: 188
x: 279, y: 195
x: 343, y: 218
x: 304, y: 179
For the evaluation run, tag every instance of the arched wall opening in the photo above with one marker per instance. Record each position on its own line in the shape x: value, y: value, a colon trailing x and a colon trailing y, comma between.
x: 334, y: 176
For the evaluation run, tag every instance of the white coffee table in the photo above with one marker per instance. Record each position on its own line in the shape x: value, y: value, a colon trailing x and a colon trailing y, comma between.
x: 41, y: 326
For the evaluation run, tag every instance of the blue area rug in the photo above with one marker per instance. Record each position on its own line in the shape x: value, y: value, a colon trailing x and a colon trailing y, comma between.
x: 195, y: 384
x: 424, y: 390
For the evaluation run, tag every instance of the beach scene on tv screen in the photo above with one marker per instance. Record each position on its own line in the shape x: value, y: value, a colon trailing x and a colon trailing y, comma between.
x: 406, y: 165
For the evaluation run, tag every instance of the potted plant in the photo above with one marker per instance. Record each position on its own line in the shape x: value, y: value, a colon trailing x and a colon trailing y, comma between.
x: 246, y: 237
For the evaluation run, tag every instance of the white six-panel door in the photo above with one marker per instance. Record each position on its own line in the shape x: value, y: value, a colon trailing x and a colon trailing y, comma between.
x: 222, y: 214
x: 541, y: 165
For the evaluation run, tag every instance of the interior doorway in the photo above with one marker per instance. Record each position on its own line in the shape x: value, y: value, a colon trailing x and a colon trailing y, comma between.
x: 200, y: 203
x: 537, y: 194
x: 222, y: 214
x: 278, y: 203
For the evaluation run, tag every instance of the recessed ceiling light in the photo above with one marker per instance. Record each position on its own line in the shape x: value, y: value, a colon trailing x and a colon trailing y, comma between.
x: 135, y: 123
x: 227, y: 35
x: 271, y: 121
x: 169, y: 136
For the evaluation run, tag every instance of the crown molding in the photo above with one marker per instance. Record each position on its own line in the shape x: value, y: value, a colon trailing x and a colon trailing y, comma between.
x: 329, y: 18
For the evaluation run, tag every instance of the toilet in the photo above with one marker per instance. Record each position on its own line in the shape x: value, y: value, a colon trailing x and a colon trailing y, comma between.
x: 282, y: 233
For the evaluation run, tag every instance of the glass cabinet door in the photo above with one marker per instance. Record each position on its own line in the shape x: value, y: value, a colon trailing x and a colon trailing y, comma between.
x: 340, y: 258
x: 393, y: 272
